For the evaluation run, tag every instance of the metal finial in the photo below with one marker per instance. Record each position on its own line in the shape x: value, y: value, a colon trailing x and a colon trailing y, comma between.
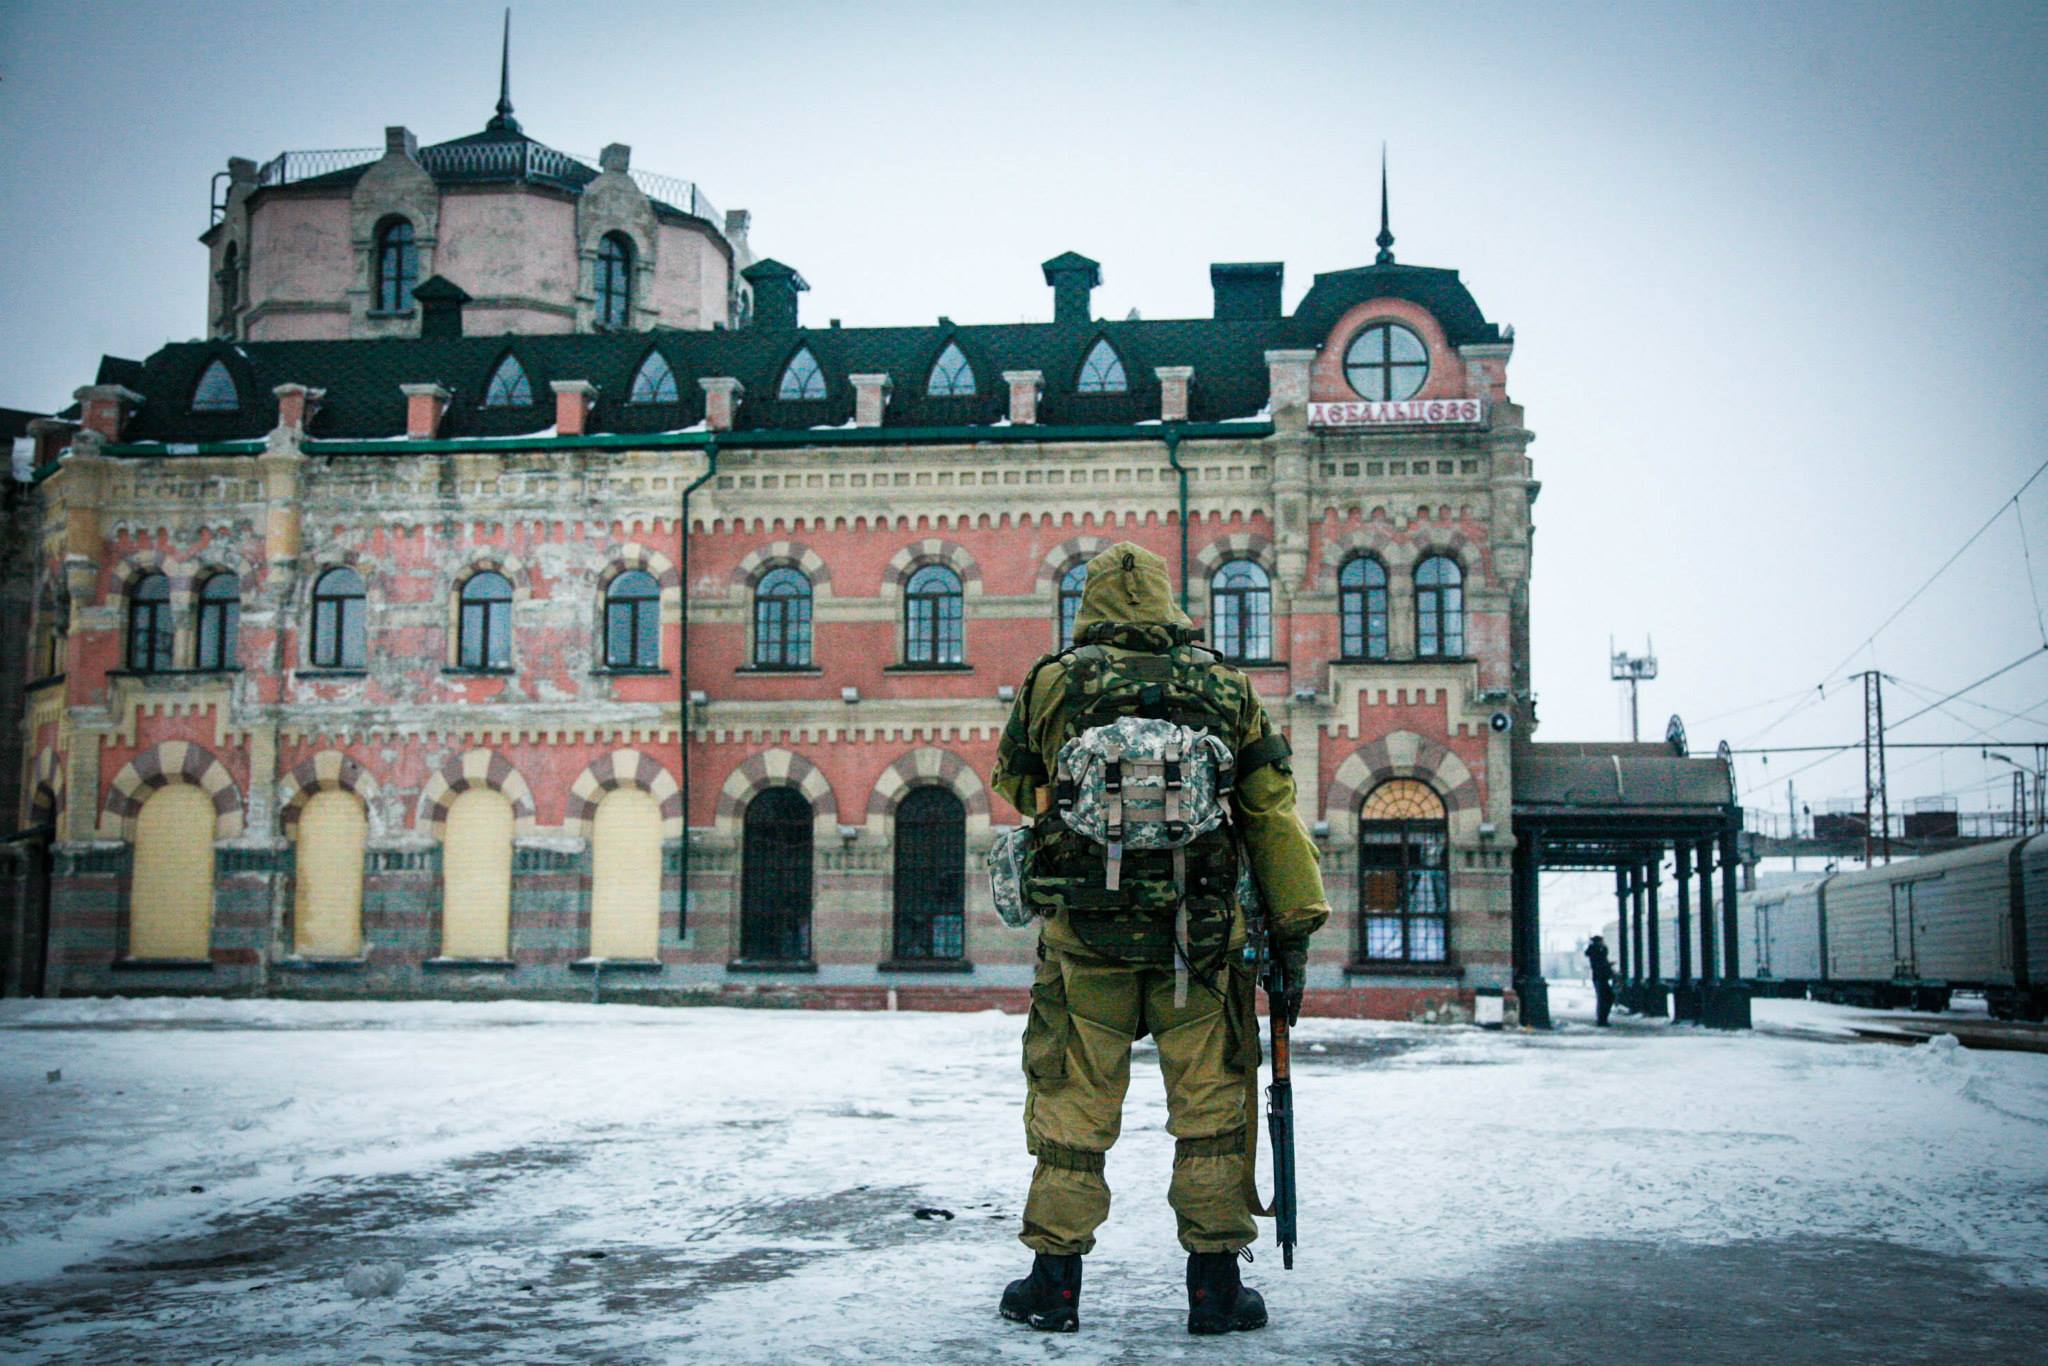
x: 1386, y: 238
x: 504, y: 118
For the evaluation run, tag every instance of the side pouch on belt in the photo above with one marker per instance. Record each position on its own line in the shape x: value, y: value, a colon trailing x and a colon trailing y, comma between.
x: 1047, y: 1027
x: 1006, y: 860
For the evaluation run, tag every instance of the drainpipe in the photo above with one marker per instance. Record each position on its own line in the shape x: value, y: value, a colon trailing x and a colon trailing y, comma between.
x: 683, y: 669
x: 1180, y: 471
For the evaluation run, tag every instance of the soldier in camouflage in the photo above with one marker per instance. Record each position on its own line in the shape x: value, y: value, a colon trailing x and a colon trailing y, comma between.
x: 1115, y: 965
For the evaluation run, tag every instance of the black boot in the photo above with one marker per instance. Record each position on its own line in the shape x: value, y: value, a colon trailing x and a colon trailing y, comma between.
x: 1217, y: 1301
x: 1049, y: 1299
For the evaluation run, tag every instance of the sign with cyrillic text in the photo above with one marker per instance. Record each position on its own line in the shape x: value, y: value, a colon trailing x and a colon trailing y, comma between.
x: 1435, y: 412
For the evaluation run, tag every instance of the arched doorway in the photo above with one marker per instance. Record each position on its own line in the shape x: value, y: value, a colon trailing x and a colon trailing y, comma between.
x: 775, y: 878
x: 625, y: 876
x: 931, y: 881
x: 327, y: 896
x: 170, y: 905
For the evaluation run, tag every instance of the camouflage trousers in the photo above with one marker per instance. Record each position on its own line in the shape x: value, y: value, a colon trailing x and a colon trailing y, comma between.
x: 1086, y: 1013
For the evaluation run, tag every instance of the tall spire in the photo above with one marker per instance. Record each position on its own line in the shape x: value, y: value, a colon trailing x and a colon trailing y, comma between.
x: 1386, y: 238
x: 504, y: 117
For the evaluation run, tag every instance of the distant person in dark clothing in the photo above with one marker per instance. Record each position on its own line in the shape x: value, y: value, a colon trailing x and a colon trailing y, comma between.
x: 1603, y: 977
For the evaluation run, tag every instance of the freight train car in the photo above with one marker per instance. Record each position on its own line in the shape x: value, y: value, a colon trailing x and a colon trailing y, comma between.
x: 1913, y: 932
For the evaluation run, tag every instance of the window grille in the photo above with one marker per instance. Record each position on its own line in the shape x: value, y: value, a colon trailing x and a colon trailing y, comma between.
x: 932, y: 625
x: 632, y: 622
x: 149, y: 625
x: 1362, y: 608
x: 1241, y: 612
x: 509, y: 387
x: 952, y: 376
x: 775, y: 878
x: 1403, y: 875
x: 1439, y: 608
x: 802, y: 378
x: 1103, y: 371
x: 931, y: 886
x: 338, y: 622
x: 782, y: 620
x: 220, y: 615
x: 484, y: 629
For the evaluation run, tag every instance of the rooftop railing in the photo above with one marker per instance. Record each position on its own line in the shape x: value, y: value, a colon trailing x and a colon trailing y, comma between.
x: 520, y: 160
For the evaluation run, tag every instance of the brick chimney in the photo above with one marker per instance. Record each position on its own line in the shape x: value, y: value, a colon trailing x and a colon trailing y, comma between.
x: 425, y: 406
x: 296, y: 405
x: 775, y: 289
x: 1287, y: 382
x: 104, y: 409
x: 1173, y: 391
x: 51, y: 435
x: 1024, y: 387
x: 722, y: 395
x: 870, y: 398
x: 574, y: 398
x: 399, y: 141
x: 1073, y: 278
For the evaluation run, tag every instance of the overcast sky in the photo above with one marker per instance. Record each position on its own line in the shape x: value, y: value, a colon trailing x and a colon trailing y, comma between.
x: 1777, y: 272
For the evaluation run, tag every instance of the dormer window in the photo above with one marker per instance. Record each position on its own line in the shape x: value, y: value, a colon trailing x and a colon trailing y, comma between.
x: 509, y: 387
x: 1103, y: 371
x: 802, y: 378
x: 1386, y: 363
x: 654, y: 381
x: 952, y: 376
x: 216, y: 392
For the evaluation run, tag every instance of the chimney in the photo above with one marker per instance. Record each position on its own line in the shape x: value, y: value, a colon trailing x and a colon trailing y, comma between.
x: 104, y: 409
x: 399, y: 141
x: 1173, y: 391
x: 1287, y: 387
x: 425, y: 405
x: 440, y: 301
x: 1073, y: 278
x: 775, y: 289
x: 870, y: 397
x: 737, y: 221
x: 241, y: 172
x: 574, y: 398
x: 1024, y: 387
x: 51, y: 435
x: 1246, y: 289
x: 296, y: 405
x: 615, y: 158
x: 722, y: 394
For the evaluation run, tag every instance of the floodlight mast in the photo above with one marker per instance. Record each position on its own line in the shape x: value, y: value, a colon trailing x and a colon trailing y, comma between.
x: 1634, y: 670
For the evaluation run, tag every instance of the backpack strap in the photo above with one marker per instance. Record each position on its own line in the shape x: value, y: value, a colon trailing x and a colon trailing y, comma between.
x: 1024, y: 756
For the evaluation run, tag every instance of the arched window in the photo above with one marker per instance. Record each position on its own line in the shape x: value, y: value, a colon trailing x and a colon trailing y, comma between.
x: 775, y: 878
x: 509, y: 387
x: 1439, y: 608
x: 220, y: 617
x: 1241, y: 611
x: 632, y: 622
x: 952, y: 376
x: 149, y: 625
x: 476, y: 876
x: 484, y: 627
x: 931, y: 876
x: 230, y: 281
x: 654, y: 381
x: 1386, y: 362
x: 782, y: 620
x: 216, y: 391
x: 327, y: 896
x: 932, y: 631
x: 1404, y: 881
x: 398, y: 266
x: 802, y: 378
x: 1362, y: 607
x: 170, y: 912
x: 615, y: 281
x: 1103, y: 371
x: 1071, y: 584
x: 338, y: 623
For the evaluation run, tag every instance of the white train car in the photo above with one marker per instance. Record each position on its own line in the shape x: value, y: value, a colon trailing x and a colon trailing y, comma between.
x: 1912, y: 932
x: 1779, y: 931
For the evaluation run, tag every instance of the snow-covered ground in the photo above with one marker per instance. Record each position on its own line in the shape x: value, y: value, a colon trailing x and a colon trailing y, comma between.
x: 192, y: 1181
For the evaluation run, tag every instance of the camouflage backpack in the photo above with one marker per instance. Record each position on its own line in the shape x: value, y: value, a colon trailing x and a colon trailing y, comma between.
x: 1142, y: 856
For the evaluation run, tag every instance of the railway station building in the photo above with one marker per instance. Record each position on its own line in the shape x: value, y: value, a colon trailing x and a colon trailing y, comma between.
x: 515, y: 592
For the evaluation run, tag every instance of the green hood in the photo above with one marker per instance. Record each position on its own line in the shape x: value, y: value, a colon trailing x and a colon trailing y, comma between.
x: 1127, y: 584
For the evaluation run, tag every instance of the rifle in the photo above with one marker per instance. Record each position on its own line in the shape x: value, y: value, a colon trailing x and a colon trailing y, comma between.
x: 1279, y: 1095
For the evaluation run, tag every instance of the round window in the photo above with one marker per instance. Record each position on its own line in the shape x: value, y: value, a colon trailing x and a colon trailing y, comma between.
x: 1386, y: 363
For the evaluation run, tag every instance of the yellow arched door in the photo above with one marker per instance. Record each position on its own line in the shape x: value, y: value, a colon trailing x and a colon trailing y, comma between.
x: 327, y: 903
x: 171, y: 902
x: 476, y: 876
x: 625, y: 876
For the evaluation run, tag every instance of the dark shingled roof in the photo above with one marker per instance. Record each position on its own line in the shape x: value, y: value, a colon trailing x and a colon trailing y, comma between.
x: 362, y: 377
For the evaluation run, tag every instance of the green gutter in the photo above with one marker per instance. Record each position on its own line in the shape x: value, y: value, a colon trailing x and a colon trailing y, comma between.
x: 683, y: 671
x: 1173, y: 434
x: 762, y: 440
